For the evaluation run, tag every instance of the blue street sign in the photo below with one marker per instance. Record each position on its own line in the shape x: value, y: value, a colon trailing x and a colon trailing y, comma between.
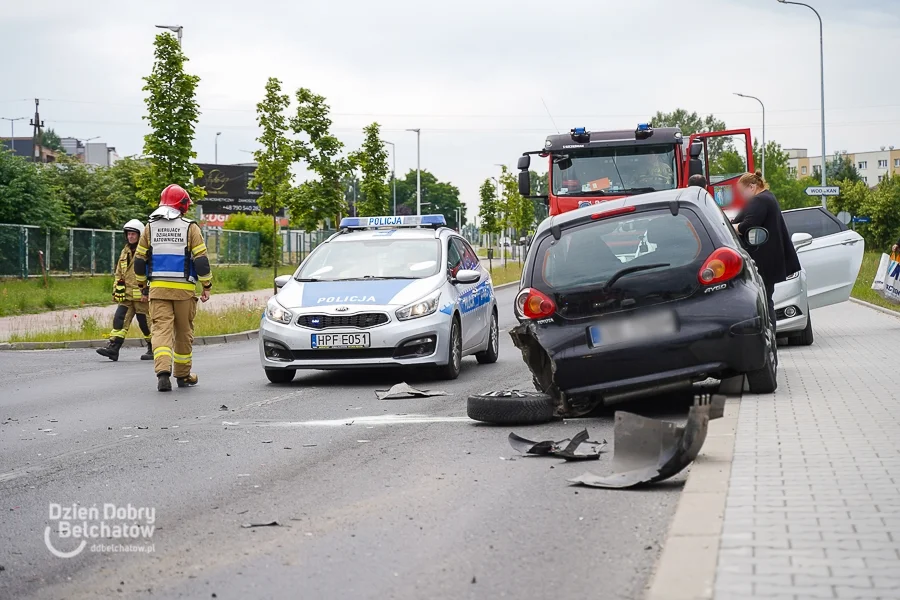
x: 862, y: 219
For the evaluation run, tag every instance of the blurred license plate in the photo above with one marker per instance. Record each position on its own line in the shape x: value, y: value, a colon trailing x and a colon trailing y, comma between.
x: 340, y: 340
x: 631, y: 329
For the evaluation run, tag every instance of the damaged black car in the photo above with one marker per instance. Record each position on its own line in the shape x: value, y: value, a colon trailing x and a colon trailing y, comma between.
x: 641, y: 296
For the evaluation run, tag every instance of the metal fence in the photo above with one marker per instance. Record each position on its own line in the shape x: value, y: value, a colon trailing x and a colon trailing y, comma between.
x: 297, y: 244
x: 76, y: 251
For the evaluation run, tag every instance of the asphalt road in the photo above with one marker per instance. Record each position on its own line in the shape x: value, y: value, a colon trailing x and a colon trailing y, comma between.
x: 373, y: 501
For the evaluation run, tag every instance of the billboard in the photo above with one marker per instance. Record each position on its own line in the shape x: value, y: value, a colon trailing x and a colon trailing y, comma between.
x: 228, y: 190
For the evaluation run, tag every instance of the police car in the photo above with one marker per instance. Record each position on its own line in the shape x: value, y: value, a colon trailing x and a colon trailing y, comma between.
x: 398, y: 291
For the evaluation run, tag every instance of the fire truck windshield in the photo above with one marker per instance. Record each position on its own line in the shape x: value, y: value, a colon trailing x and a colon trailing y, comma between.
x: 622, y: 170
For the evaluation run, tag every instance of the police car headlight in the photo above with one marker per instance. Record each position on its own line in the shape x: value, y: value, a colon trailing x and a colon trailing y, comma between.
x: 424, y: 307
x: 278, y: 313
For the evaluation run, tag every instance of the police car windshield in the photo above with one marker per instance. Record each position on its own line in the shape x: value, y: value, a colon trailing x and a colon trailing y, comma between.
x: 345, y: 259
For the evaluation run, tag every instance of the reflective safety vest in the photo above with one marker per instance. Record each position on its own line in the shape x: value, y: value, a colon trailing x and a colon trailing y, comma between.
x: 170, y: 256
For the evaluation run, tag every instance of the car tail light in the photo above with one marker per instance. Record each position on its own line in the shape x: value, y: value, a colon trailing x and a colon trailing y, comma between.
x: 532, y: 304
x: 722, y: 265
x: 613, y: 212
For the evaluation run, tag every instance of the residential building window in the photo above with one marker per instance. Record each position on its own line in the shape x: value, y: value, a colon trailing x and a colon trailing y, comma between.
x: 882, y: 164
x: 880, y: 178
x: 863, y: 164
x: 897, y: 162
x: 866, y: 179
x: 803, y: 170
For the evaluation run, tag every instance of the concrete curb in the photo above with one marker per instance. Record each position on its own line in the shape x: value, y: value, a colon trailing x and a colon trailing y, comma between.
x: 506, y: 285
x: 687, y: 567
x: 208, y: 340
x: 880, y: 309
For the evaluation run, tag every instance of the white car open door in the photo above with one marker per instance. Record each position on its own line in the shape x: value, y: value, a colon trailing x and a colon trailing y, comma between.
x: 830, y: 254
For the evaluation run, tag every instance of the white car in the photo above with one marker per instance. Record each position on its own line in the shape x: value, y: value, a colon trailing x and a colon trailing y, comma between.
x: 830, y: 255
x: 382, y: 292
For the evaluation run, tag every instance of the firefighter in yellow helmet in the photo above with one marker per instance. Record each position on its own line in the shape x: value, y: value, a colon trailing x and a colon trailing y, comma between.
x: 127, y: 293
x: 172, y: 255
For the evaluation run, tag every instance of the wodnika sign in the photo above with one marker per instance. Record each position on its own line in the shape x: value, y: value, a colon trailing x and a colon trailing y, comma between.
x: 228, y: 190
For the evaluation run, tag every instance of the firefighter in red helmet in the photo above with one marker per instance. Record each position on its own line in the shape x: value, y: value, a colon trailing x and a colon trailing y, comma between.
x: 169, y: 262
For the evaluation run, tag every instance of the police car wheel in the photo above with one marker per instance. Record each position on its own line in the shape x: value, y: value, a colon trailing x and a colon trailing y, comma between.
x: 493, y: 350
x: 281, y: 375
x: 454, y: 362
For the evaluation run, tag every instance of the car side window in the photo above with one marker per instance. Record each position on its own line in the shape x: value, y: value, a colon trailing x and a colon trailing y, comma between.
x: 454, y: 257
x: 814, y: 222
x: 470, y: 259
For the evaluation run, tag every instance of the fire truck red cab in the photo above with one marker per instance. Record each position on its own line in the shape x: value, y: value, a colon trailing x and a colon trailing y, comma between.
x: 588, y: 168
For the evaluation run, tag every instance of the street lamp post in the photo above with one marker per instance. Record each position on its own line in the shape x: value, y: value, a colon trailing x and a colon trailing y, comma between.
x: 394, y: 174
x: 176, y: 29
x: 12, y: 130
x: 459, y: 219
x: 418, y: 170
x: 822, y: 78
x: 763, y: 129
x: 218, y: 133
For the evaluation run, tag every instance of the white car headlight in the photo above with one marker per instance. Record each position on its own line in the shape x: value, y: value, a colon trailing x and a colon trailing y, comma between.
x: 278, y: 313
x: 421, y: 308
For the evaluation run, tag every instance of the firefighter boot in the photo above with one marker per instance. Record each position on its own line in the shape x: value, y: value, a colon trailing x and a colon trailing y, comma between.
x: 148, y: 355
x: 111, y: 351
x: 189, y: 381
x: 163, y: 383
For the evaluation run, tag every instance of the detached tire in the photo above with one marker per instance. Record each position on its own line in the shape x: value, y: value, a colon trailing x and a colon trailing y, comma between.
x: 281, y: 375
x: 511, y: 407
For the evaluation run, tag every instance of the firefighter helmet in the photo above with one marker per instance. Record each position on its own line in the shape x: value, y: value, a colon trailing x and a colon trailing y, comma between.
x: 135, y: 226
x: 175, y: 196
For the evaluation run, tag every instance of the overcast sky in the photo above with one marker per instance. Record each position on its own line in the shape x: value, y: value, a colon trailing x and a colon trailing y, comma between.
x: 470, y: 73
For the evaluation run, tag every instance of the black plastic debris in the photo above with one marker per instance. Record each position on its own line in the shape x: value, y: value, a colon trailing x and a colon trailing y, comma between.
x: 269, y: 524
x: 223, y: 407
x: 649, y: 450
x: 575, y: 448
x: 404, y: 390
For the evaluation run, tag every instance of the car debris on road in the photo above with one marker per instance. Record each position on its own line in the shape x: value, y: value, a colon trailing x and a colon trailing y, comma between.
x: 404, y: 390
x: 648, y: 450
x: 576, y: 448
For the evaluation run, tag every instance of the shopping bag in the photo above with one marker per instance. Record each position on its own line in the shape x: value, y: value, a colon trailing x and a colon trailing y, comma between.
x: 881, y: 273
x: 891, y: 291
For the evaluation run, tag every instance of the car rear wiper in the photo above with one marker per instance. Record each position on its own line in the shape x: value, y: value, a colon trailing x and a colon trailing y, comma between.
x: 629, y: 270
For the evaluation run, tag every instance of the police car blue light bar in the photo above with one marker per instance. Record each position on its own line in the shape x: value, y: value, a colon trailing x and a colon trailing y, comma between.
x: 389, y: 221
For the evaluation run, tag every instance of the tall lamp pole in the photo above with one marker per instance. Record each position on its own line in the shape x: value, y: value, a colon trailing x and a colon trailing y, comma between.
x: 418, y: 170
x: 763, y: 129
x: 176, y: 29
x: 822, y: 77
x: 394, y: 174
x: 218, y: 133
x: 12, y: 130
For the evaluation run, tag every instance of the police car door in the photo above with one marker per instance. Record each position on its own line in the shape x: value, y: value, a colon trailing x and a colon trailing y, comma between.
x: 483, y: 293
x: 466, y: 301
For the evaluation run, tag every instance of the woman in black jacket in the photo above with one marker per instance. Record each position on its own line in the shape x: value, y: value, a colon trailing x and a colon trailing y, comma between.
x: 777, y: 258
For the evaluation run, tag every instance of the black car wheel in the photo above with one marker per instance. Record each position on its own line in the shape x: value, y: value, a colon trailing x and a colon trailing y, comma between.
x: 765, y: 380
x: 454, y: 362
x: 511, y: 407
x: 493, y: 350
x: 281, y: 375
x: 805, y: 337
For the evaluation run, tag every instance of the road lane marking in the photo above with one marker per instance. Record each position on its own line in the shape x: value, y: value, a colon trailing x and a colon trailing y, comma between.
x: 373, y: 420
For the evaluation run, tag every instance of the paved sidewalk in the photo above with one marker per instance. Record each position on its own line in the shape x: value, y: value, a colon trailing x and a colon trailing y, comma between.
x: 72, y: 318
x: 813, y: 505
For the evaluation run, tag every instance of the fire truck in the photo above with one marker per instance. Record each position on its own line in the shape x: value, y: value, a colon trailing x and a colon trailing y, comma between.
x: 588, y: 167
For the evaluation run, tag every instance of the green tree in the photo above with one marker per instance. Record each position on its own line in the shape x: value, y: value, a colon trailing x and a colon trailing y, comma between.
x: 689, y: 122
x: 854, y: 196
x: 273, y: 162
x: 172, y: 113
x: 539, y: 183
x: 321, y: 198
x: 440, y: 198
x: 841, y: 168
x: 488, y: 210
x: 883, y: 206
x: 269, y: 243
x: 97, y: 197
x: 26, y: 195
x: 371, y: 159
x: 49, y: 139
x: 788, y: 191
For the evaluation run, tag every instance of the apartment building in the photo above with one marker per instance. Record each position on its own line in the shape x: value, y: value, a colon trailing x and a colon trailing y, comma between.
x: 873, y: 166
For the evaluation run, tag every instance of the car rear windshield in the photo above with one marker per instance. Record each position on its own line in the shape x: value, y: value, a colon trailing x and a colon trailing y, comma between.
x: 644, y: 258
x: 373, y: 259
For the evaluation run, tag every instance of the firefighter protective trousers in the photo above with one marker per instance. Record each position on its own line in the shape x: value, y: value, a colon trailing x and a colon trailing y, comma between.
x: 173, y: 335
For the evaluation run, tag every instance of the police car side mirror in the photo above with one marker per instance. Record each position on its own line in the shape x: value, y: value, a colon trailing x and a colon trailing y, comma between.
x: 281, y: 281
x: 466, y: 276
x: 757, y: 236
